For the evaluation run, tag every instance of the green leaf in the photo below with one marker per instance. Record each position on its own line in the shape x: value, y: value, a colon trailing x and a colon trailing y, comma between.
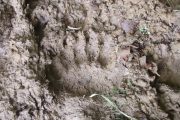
x: 109, y: 101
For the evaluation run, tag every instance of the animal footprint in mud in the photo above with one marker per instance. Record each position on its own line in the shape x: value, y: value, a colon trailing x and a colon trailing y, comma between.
x: 87, y: 64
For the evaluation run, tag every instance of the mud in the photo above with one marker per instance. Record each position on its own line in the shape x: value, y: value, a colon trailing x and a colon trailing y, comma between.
x: 55, y: 54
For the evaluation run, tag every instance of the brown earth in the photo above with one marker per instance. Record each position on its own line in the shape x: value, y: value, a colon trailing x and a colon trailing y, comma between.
x: 54, y: 54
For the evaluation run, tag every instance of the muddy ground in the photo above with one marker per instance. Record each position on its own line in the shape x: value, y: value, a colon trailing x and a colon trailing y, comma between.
x: 55, y: 53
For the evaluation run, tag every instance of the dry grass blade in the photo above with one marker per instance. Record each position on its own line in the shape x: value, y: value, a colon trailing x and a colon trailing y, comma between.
x: 72, y: 28
x: 112, y: 104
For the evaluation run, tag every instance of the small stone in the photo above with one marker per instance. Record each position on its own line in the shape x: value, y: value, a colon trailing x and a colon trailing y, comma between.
x: 142, y: 61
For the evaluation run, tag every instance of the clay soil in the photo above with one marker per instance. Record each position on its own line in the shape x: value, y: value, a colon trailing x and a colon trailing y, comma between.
x: 54, y: 54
